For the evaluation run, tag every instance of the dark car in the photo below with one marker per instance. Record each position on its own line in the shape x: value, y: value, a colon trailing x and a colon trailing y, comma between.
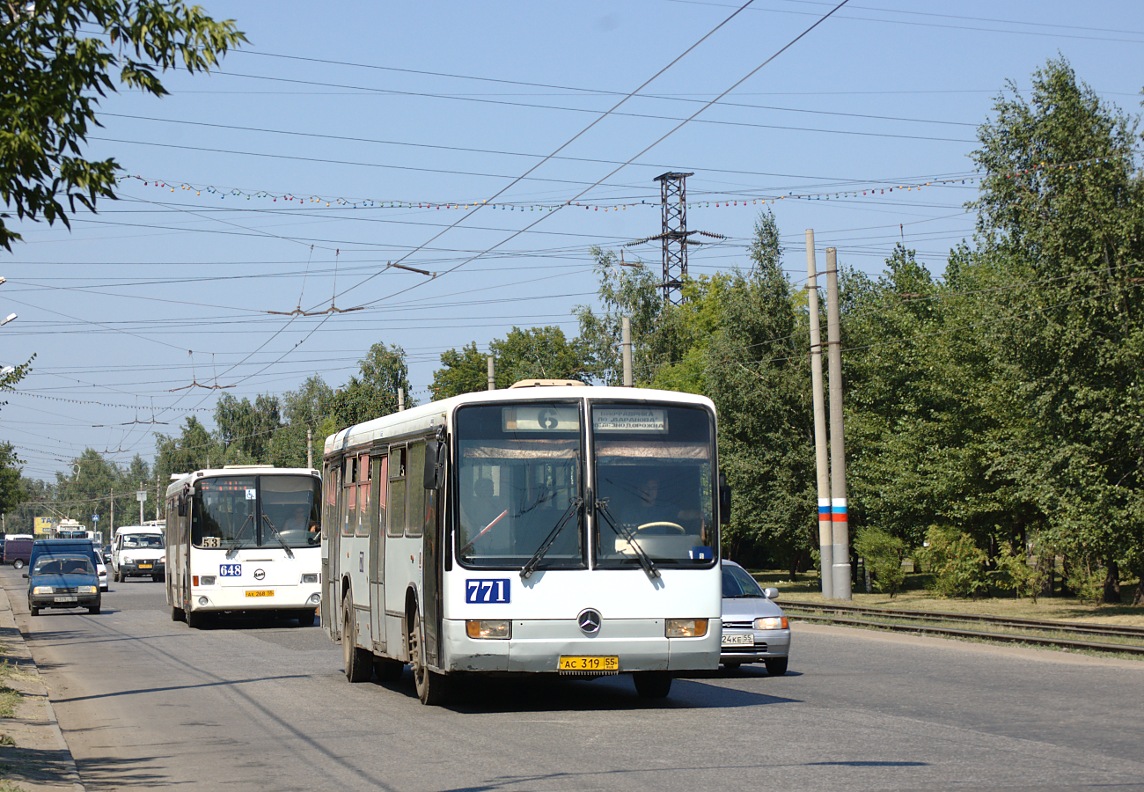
x: 755, y: 630
x: 63, y: 581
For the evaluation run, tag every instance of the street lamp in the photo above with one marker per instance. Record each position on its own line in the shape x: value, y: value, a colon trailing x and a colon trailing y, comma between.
x: 7, y: 319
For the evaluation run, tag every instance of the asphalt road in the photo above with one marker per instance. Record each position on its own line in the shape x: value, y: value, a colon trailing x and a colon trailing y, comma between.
x: 145, y: 702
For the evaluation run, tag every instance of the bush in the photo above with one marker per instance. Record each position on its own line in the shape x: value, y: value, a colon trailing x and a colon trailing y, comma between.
x: 882, y: 553
x: 956, y: 562
x: 1019, y: 576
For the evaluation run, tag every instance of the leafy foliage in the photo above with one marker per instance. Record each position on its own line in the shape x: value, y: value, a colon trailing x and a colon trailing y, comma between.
x: 57, y: 58
x: 957, y: 564
x: 882, y: 554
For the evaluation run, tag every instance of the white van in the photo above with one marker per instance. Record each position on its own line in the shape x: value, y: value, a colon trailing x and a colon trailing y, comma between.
x: 138, y: 551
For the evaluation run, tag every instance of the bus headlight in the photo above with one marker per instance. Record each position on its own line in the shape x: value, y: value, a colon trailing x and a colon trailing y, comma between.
x: 686, y: 628
x: 310, y: 578
x: 315, y: 600
x: 498, y: 629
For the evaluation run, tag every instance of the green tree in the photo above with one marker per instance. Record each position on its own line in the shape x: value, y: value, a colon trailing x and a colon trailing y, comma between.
x: 246, y: 429
x: 757, y: 373
x: 12, y: 491
x: 373, y: 394
x: 306, y: 413
x: 537, y: 353
x: 1061, y: 221
x: 57, y: 58
x: 624, y: 291
x: 464, y: 371
x: 194, y: 449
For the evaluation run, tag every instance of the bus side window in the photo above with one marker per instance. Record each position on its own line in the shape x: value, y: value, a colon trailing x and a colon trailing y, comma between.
x: 395, y: 505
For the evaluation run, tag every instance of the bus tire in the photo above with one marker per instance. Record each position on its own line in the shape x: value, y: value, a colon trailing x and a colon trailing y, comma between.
x: 652, y: 684
x: 194, y: 620
x: 432, y: 688
x: 178, y: 614
x: 357, y: 661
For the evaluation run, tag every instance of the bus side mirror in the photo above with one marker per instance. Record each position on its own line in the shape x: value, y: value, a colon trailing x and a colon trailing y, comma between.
x: 434, y: 462
x: 724, y: 500
x: 182, y: 505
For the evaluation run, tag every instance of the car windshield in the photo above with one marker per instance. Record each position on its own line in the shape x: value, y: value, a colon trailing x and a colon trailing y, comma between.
x: 147, y: 542
x: 737, y: 583
x: 63, y: 565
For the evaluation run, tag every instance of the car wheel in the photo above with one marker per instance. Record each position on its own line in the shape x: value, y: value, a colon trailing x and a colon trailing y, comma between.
x: 93, y: 609
x: 34, y: 610
x: 732, y: 667
x: 776, y: 666
x: 18, y: 563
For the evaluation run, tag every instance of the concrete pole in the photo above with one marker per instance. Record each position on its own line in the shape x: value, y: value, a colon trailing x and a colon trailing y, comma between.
x: 821, y: 454
x: 626, y: 350
x: 839, y: 518
x: 492, y: 372
x: 401, y: 399
x: 310, y: 449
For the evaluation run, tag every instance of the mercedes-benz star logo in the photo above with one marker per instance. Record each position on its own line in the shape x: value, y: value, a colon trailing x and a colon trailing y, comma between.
x: 259, y: 574
x: 589, y: 621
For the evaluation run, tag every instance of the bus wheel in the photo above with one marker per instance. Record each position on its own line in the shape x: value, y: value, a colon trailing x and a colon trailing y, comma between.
x: 652, y: 684
x: 194, y: 620
x: 178, y: 614
x: 357, y: 661
x: 432, y: 688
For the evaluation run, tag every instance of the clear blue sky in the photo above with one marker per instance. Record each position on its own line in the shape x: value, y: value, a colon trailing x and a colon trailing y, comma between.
x: 349, y: 135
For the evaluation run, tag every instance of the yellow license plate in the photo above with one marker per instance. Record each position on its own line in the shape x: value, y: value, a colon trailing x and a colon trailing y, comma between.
x: 589, y: 664
x: 260, y: 593
x: 144, y: 566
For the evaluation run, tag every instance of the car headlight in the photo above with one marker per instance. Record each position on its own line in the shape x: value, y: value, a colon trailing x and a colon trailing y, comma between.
x: 685, y: 628
x: 85, y: 589
x: 126, y: 560
x: 42, y: 590
x: 772, y: 623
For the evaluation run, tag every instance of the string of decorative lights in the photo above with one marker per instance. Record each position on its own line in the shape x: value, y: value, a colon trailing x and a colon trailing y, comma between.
x: 377, y: 203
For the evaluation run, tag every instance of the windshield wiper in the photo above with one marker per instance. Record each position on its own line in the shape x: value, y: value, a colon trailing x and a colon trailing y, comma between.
x: 574, y: 507
x: 623, y: 532
x: 234, y: 548
x: 278, y: 536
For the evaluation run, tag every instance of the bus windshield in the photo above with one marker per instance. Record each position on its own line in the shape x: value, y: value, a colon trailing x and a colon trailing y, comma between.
x: 519, y: 480
x: 654, y: 491
x: 521, y: 486
x: 255, y: 511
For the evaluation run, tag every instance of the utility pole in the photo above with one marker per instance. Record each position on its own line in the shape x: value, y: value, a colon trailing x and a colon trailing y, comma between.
x: 840, y: 553
x: 821, y: 458
x: 626, y: 350
x: 490, y: 367
x: 310, y: 449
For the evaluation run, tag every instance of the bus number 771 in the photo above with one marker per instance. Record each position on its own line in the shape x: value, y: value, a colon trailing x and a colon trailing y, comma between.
x: 495, y: 590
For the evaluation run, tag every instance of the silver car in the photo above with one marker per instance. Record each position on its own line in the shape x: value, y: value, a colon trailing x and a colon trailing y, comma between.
x: 755, y: 630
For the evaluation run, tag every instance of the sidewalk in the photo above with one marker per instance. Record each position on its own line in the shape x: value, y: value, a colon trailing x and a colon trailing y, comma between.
x: 33, y: 753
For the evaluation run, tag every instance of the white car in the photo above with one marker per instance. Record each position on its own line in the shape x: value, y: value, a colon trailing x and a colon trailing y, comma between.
x: 755, y: 630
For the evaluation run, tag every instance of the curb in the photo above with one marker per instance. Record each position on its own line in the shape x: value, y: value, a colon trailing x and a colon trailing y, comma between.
x: 40, y: 758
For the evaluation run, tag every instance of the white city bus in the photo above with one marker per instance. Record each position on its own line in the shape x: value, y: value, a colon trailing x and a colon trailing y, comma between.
x: 509, y: 532
x: 244, y: 538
